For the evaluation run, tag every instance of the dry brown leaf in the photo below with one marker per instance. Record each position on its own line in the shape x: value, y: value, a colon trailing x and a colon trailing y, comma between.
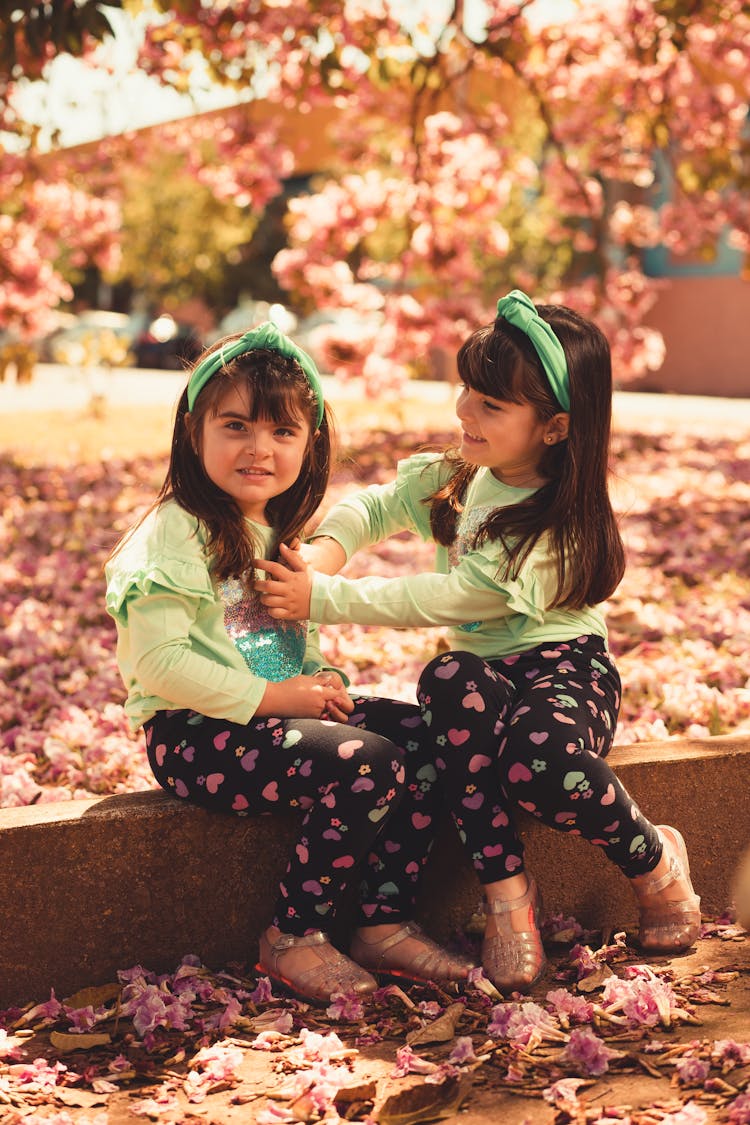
x: 440, y: 1030
x: 595, y: 980
x: 86, y: 1040
x: 428, y: 1101
x: 80, y: 1099
x: 95, y: 996
x: 362, y: 1092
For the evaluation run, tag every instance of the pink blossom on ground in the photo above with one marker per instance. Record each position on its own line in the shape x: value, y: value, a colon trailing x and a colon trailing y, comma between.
x: 522, y: 1023
x: 563, y: 1094
x: 262, y: 992
x: 163, y: 1101
x: 407, y: 1062
x: 50, y: 1010
x: 463, y: 1051
x: 212, y: 1066
x: 81, y: 1019
x: 691, y: 1071
x: 587, y: 1053
x: 690, y: 1114
x: 345, y: 1007
x: 10, y: 1046
x: 738, y: 1111
x: 151, y: 1006
x: 643, y: 1001
x: 727, y: 1053
x: 37, y: 1076
x: 569, y: 1007
x: 317, y: 1047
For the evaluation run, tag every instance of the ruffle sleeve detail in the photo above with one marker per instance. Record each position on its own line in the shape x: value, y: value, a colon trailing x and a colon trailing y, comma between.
x: 184, y: 576
x: 165, y: 553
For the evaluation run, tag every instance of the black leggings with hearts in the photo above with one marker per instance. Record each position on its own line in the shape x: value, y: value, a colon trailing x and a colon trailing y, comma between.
x: 532, y: 731
x: 367, y: 789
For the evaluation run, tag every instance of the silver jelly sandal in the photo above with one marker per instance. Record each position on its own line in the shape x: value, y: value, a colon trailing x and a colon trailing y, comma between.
x: 669, y: 927
x: 431, y: 964
x: 514, y: 960
x: 335, y: 973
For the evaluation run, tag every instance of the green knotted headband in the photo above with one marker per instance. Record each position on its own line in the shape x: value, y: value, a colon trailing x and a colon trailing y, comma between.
x: 519, y: 310
x: 266, y: 335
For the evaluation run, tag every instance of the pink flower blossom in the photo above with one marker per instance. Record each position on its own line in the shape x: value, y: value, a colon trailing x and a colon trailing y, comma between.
x: 738, y: 1111
x: 463, y: 1051
x: 690, y: 1114
x: 583, y: 961
x: 520, y: 1023
x: 691, y: 1071
x: 315, y: 1047
x: 644, y: 1001
x: 407, y: 1062
x: 38, y: 1075
x: 558, y: 928
x: 569, y: 1007
x: 345, y: 1006
x: 151, y: 1006
x: 563, y: 1094
x: 164, y: 1101
x: 212, y: 1066
x: 262, y: 993
x: 587, y: 1053
x: 10, y: 1046
x: 727, y: 1054
x: 50, y: 1010
x: 81, y: 1019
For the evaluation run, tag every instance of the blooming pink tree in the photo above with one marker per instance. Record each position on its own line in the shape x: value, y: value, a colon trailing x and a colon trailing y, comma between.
x: 50, y: 219
x: 468, y: 158
x: 462, y: 156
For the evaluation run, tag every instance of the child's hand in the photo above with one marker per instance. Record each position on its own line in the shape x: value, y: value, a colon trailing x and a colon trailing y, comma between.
x: 286, y: 594
x: 321, y: 696
x: 340, y: 704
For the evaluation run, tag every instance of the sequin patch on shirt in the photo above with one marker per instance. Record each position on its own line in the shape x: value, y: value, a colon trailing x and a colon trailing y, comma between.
x: 272, y: 649
x: 468, y: 525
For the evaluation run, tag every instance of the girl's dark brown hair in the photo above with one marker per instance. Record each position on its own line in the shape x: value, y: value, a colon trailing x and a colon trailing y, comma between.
x: 573, y: 507
x: 276, y: 388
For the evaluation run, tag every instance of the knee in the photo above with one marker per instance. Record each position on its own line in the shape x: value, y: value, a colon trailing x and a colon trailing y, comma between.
x: 463, y: 683
x: 450, y: 669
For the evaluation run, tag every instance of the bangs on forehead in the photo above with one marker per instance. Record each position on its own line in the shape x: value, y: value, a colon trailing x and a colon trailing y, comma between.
x: 493, y: 368
x: 280, y: 401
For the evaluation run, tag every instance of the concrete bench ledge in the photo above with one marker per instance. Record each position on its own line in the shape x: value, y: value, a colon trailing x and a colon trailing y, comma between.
x: 87, y: 887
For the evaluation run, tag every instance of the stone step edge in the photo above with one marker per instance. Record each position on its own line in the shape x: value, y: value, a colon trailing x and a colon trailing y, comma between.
x: 87, y: 887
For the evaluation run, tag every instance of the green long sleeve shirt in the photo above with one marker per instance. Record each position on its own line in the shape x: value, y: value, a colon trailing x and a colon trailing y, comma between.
x: 185, y: 640
x: 485, y: 614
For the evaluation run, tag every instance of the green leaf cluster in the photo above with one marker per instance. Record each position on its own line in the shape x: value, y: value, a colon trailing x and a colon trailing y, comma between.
x: 30, y: 34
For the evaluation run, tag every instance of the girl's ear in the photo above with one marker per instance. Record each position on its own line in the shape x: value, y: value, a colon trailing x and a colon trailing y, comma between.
x: 557, y: 428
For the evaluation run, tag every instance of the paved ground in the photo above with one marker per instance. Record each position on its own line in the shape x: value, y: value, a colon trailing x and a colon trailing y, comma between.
x: 55, y: 387
x: 640, y: 1088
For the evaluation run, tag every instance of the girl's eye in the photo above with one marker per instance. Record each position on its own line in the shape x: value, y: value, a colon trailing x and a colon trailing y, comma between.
x: 491, y: 405
x: 284, y: 431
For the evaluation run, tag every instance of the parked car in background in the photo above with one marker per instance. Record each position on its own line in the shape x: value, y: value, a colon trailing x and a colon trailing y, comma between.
x: 248, y: 314
x: 166, y: 344
x: 59, y: 322
x: 97, y: 338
